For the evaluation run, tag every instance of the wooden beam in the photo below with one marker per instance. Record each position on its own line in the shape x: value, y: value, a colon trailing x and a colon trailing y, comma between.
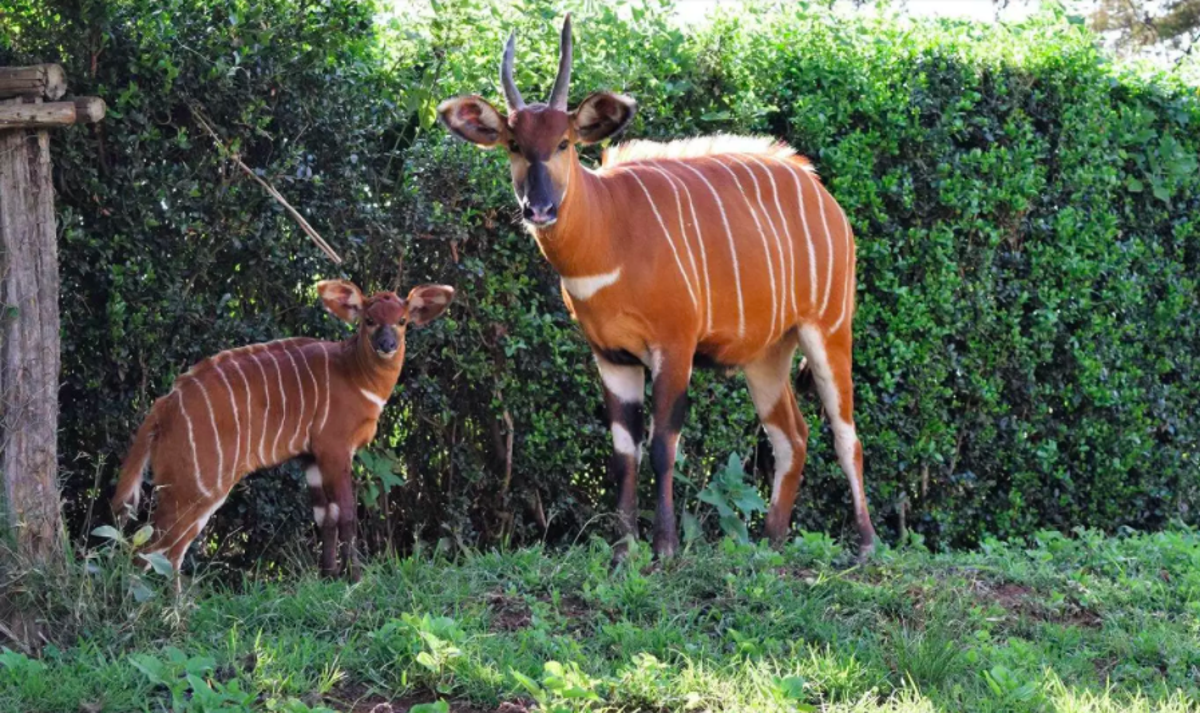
x: 89, y: 110
x: 40, y: 80
x: 37, y: 116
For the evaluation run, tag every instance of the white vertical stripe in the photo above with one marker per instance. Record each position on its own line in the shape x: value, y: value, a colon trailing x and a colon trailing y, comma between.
x: 237, y: 424
x: 708, y: 321
x: 791, y: 245
x: 283, y: 408
x: 682, y: 229
x: 249, y: 417
x: 192, y: 440
x: 828, y: 245
x: 737, y: 275
x: 808, y: 243
x: 783, y: 285
x: 316, y: 395
x: 328, y: 393
x: 848, y: 290
x: 212, y: 419
x: 766, y: 248
x: 300, y: 387
x: 266, y: 420
x: 670, y: 241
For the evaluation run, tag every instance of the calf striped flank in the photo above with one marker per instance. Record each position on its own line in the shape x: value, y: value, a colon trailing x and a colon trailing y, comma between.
x: 257, y: 406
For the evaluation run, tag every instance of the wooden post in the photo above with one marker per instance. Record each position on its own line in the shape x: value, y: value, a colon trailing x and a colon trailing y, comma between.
x: 29, y: 321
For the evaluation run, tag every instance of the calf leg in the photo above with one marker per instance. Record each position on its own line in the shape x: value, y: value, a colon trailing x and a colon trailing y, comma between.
x: 624, y: 393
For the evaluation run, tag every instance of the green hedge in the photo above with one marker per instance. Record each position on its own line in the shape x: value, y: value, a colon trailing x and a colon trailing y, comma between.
x: 1027, y: 346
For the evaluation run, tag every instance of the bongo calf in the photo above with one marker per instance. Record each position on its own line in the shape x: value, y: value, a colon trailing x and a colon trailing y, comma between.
x: 257, y: 406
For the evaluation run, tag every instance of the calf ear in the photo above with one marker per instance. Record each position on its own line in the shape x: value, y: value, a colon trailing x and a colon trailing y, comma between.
x: 342, y: 298
x: 601, y: 115
x: 473, y: 119
x: 427, y: 302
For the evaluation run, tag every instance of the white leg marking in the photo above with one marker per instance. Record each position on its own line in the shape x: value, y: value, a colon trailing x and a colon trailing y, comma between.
x: 791, y: 245
x: 627, y: 383
x: 848, y: 293
x: 656, y: 363
x: 682, y: 229
x: 334, y: 512
x: 312, y: 476
x: 699, y: 241
x: 266, y: 420
x: 783, y: 286
x: 828, y: 246
x: 766, y: 248
x: 299, y: 387
x: 316, y: 395
x: 583, y: 288
x: 670, y: 241
x: 781, y: 446
x: 237, y: 424
x: 328, y: 393
x: 808, y: 243
x: 283, y: 412
x: 192, y: 441
x: 249, y: 417
x: 212, y: 419
x: 623, y: 440
x: 845, y: 439
x: 201, y: 521
x: 737, y: 275
x: 318, y: 515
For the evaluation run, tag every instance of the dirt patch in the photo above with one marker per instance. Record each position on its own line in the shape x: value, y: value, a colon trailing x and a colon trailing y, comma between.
x: 1021, y: 600
x: 355, y: 698
x: 509, y: 613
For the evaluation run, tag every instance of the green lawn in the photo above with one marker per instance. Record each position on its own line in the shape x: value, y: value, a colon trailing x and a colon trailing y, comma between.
x: 1064, y: 623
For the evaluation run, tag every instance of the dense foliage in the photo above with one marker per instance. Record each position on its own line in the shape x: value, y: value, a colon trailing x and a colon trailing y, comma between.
x: 1026, y: 215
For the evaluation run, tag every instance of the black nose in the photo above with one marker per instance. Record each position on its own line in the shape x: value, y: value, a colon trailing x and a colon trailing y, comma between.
x: 540, y: 214
x: 386, y: 342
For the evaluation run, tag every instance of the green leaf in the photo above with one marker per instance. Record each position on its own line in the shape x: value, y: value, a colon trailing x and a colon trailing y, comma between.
x: 108, y: 532
x: 159, y: 563
x: 1134, y: 185
x: 142, y: 536
x: 438, y: 706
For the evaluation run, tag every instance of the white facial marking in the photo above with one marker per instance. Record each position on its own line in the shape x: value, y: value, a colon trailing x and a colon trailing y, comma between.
x: 670, y: 241
x: 766, y: 248
x: 781, y: 446
x: 737, y: 275
x: 623, y: 440
x: 583, y: 288
x: 627, y: 383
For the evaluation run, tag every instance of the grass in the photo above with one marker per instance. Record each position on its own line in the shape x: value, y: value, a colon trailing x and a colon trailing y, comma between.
x: 1079, y: 623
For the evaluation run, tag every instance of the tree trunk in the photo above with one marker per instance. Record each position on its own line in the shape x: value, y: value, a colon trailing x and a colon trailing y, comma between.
x: 29, y: 356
